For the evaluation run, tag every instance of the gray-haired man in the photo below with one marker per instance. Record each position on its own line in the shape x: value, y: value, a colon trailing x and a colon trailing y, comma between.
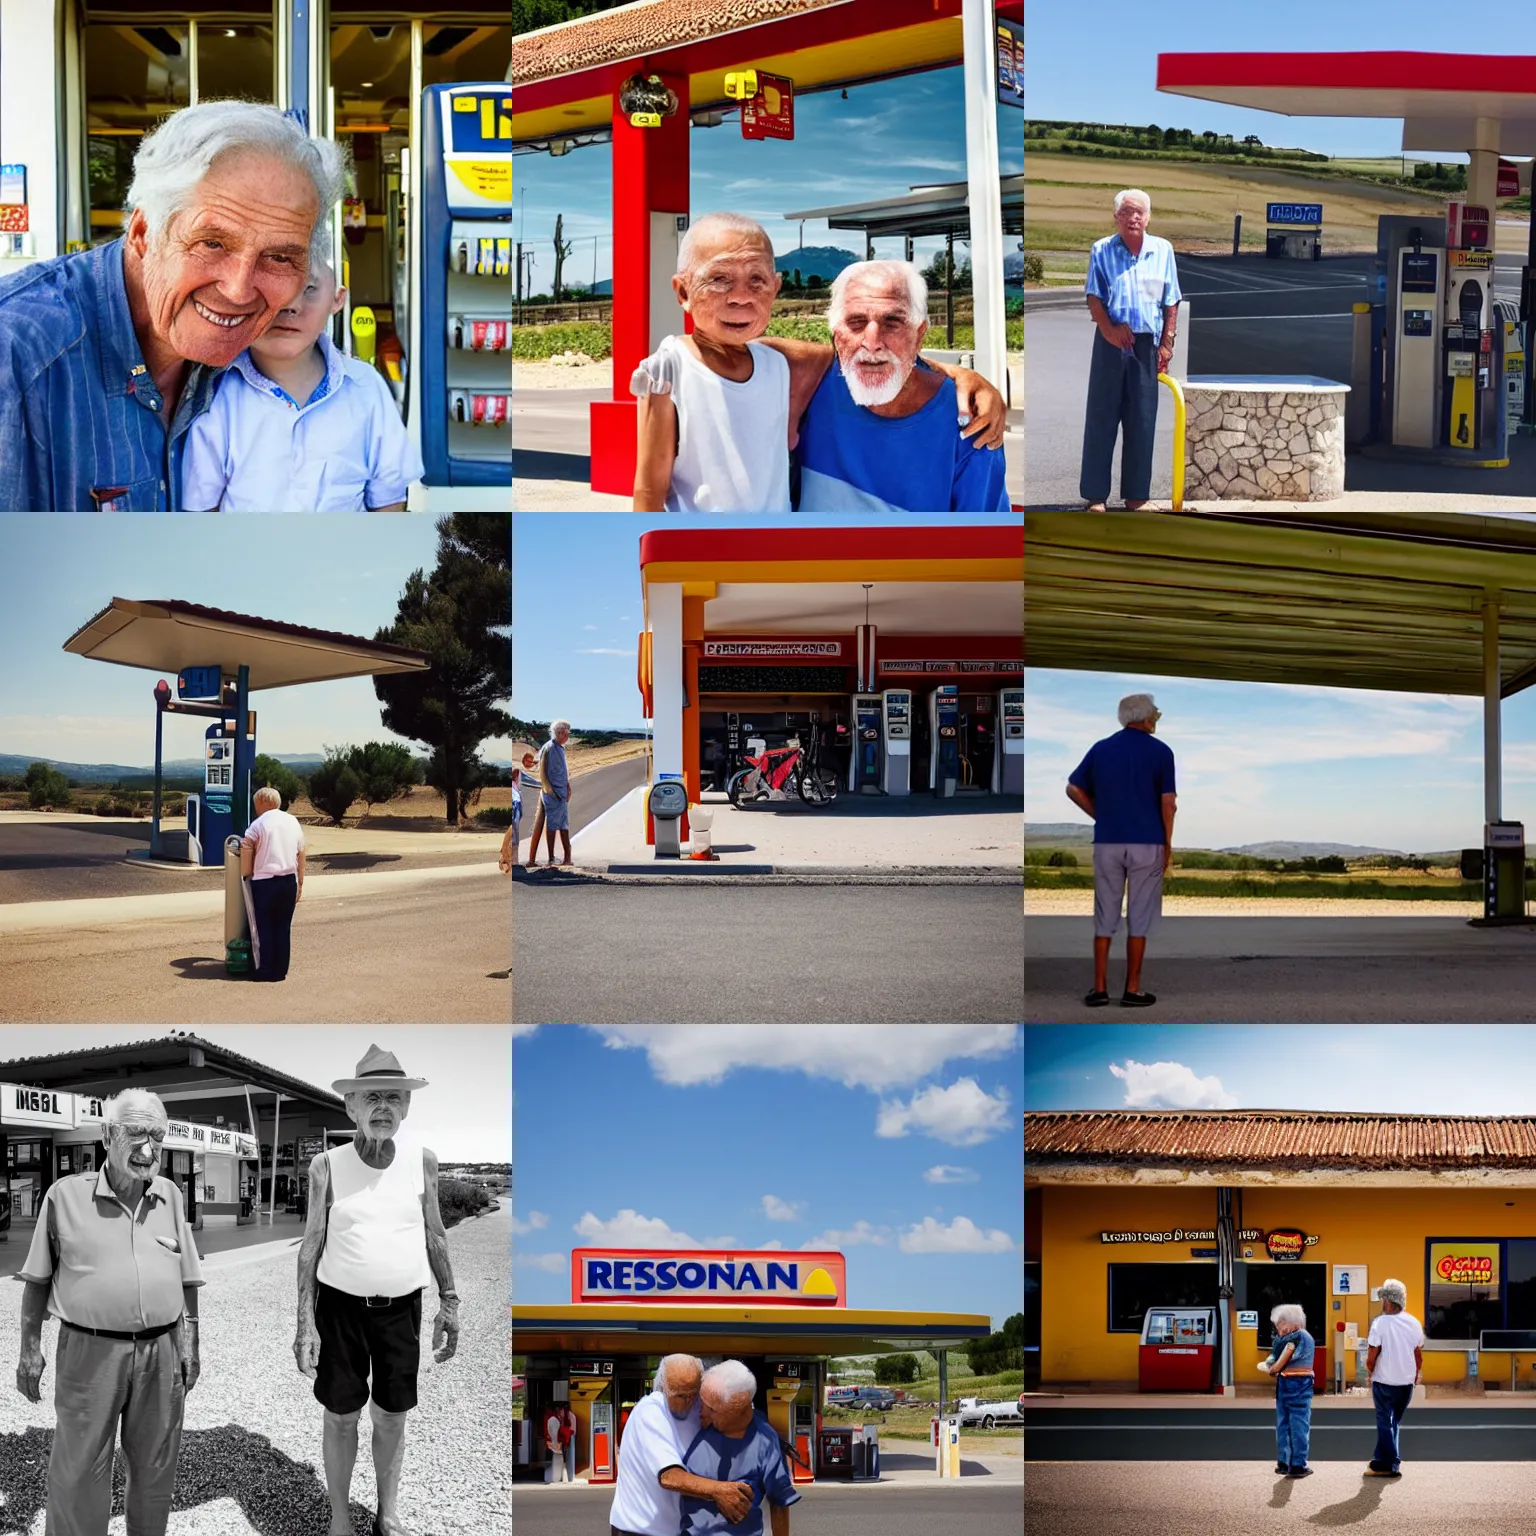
x: 113, y: 1259
x: 1125, y: 783
x: 555, y: 787
x: 1395, y: 1359
x: 107, y: 356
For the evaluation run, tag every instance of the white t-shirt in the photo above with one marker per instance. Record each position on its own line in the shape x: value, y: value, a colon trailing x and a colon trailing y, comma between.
x: 1396, y: 1335
x: 279, y: 838
x: 732, y: 439
x: 653, y: 1441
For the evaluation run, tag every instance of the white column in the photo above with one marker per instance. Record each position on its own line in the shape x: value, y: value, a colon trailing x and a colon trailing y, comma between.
x: 666, y: 613
x: 983, y: 173
x: 1483, y: 172
x: 1492, y: 748
x: 31, y: 94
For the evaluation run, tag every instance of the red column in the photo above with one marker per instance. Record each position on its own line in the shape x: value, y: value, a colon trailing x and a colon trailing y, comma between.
x: 650, y: 175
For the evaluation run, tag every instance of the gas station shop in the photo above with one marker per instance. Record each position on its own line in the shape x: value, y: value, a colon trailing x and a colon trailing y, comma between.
x: 783, y: 1313
x: 903, y: 647
x: 1207, y: 1219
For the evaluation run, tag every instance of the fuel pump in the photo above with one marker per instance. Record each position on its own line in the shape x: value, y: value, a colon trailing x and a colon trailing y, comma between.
x: 1008, y: 775
x: 1503, y: 870
x: 864, y: 761
x: 944, y: 737
x: 896, y: 741
x: 976, y: 751
x: 1472, y: 415
x: 1416, y: 375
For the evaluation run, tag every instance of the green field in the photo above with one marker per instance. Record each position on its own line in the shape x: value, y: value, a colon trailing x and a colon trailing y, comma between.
x: 1347, y: 887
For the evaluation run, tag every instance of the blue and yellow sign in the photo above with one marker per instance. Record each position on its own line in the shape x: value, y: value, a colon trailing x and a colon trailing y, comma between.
x: 766, y: 1276
x: 477, y: 154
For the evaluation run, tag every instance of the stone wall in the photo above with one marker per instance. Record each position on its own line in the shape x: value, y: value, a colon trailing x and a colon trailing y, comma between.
x: 1264, y: 446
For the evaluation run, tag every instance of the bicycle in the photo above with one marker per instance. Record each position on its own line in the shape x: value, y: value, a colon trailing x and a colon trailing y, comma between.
x: 784, y: 773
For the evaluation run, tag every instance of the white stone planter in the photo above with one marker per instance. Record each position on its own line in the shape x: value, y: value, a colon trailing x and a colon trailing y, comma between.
x: 1264, y: 438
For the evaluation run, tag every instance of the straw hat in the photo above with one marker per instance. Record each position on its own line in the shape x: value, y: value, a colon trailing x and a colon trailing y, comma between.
x: 377, y: 1069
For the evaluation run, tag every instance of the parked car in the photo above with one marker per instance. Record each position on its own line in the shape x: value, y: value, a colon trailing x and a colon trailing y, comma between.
x: 986, y: 1414
x: 881, y: 1398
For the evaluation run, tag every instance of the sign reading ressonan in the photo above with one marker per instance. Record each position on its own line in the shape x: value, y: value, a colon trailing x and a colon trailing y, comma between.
x: 769, y: 1277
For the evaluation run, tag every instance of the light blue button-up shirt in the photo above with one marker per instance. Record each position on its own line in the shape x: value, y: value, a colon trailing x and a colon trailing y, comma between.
x: 345, y: 449
x: 80, y: 427
x: 1134, y: 290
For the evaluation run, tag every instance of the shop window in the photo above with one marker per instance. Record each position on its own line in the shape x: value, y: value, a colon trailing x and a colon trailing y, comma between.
x: 1133, y: 1288
x: 1520, y: 1282
x: 1465, y: 1286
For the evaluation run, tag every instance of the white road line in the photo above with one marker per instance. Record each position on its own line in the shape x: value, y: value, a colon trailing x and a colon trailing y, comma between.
x: 1297, y: 288
x: 1264, y: 1427
x: 1219, y: 319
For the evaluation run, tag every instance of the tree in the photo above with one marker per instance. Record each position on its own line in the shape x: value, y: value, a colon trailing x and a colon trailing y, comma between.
x: 815, y: 281
x: 1001, y: 1351
x: 893, y: 1369
x: 333, y: 786
x: 384, y: 769
x: 267, y: 772
x: 563, y: 248
x: 459, y: 617
x: 45, y: 785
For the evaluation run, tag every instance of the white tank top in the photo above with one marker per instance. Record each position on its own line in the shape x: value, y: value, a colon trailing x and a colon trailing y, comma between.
x: 732, y: 439
x: 376, y: 1235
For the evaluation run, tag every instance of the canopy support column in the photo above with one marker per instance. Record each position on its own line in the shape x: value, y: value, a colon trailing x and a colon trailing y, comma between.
x: 1493, y: 805
x: 943, y: 1355
x: 984, y: 176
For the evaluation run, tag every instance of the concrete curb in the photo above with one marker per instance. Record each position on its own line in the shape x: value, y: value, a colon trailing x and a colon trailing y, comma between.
x: 769, y: 875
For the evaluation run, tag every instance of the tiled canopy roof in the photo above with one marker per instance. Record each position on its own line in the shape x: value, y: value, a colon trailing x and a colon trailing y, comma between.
x: 631, y: 31
x: 1284, y: 1137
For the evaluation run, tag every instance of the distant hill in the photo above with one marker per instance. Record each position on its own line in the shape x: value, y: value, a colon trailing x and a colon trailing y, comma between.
x: 107, y: 773
x: 823, y: 261
x: 1307, y: 850
x: 1059, y: 834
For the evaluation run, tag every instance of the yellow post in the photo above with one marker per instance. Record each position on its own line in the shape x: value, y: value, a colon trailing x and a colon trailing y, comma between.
x: 1178, y: 438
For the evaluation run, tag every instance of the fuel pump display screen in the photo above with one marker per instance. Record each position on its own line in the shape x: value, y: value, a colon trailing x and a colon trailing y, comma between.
x: 1418, y: 322
x: 1421, y: 272
x: 219, y: 772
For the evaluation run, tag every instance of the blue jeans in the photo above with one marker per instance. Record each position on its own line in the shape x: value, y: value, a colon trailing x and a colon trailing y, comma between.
x: 1122, y: 401
x: 1391, y: 1405
x: 1293, y: 1420
x: 274, y: 899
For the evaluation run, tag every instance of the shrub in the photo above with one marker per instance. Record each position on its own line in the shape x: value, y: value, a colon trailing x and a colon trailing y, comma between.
x: 333, y: 786
x: 494, y: 816
x: 47, y: 786
x: 458, y: 1198
x: 385, y: 769
x: 533, y: 343
x: 1034, y: 268
x: 268, y: 773
x: 103, y: 806
x: 1061, y: 859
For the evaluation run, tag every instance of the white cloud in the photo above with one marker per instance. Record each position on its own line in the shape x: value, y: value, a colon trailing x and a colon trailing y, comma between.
x: 603, y: 650
x: 589, y: 626
x: 774, y: 1244
x: 962, y: 1235
x: 1170, y: 1085
x: 629, y: 1229
x: 555, y: 1263
x: 963, y: 1114
x: 523, y: 1029
x: 855, y: 1236
x: 536, y: 1222
x: 872, y: 1056
x: 947, y: 1173
x: 782, y: 1210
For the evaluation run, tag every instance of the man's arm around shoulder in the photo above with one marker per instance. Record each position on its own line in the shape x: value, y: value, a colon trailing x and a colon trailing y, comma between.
x: 733, y: 1500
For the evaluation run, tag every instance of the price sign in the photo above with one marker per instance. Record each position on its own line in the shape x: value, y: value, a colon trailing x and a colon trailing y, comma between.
x: 771, y: 113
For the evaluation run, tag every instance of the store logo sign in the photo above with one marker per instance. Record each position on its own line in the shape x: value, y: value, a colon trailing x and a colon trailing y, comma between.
x: 771, y: 1277
x: 1287, y: 1243
x: 1465, y: 1269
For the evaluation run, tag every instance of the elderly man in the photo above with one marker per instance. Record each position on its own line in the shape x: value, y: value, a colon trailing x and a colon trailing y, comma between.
x: 113, y: 1259
x: 1133, y: 297
x: 652, y: 1477
x: 1125, y: 785
x: 880, y: 433
x: 272, y: 859
x: 373, y: 1240
x: 1394, y: 1359
x: 108, y: 356
x: 555, y: 793
x: 734, y: 1441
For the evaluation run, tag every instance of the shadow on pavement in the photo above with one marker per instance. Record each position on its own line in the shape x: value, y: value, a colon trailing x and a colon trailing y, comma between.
x: 277, y: 1495
x: 1352, y: 1511
x: 203, y: 968
x: 353, y: 860
x: 540, y: 464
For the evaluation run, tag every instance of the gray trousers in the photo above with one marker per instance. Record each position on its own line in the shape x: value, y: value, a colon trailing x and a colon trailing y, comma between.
x: 1122, y: 399
x: 99, y: 1386
x: 1129, y: 873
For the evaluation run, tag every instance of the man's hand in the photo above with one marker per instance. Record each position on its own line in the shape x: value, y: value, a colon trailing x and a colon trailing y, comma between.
x: 299, y: 894
x: 1167, y: 857
x: 984, y: 405
x: 445, y: 1331
x: 1264, y: 1366
x: 187, y: 1352
x: 1164, y: 356
x: 306, y: 1349
x: 1118, y: 334
x: 29, y: 1372
x: 733, y: 1500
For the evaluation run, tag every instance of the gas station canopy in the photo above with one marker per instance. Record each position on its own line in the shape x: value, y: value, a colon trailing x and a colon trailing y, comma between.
x: 168, y: 635
x: 1441, y: 97
x: 1387, y: 600
x: 938, y: 210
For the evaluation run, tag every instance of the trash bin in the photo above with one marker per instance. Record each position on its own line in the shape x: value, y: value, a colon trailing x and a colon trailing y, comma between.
x: 836, y: 1452
x: 238, y: 959
x: 700, y: 821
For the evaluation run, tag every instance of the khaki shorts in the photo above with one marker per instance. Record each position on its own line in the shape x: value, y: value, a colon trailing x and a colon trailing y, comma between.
x: 1132, y: 874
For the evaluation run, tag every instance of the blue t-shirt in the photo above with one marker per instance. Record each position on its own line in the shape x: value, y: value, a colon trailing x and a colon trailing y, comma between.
x: 757, y: 1459
x: 1305, y: 1349
x: 1127, y: 774
x: 854, y: 461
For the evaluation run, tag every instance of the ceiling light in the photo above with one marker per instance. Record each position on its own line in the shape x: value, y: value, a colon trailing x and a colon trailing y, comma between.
x: 367, y: 84
x: 229, y: 31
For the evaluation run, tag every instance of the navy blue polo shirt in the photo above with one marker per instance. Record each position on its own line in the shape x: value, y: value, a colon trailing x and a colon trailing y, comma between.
x: 80, y: 429
x: 1127, y: 774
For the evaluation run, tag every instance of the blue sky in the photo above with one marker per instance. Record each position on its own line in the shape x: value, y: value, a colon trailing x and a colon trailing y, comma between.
x: 898, y: 1146
x: 1388, y: 1068
x: 885, y: 139
x: 1259, y: 762
x: 340, y: 573
x: 576, y: 606
x: 1106, y: 71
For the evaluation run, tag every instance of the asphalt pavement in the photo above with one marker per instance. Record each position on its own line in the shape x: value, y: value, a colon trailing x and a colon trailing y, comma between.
x: 594, y: 953
x: 968, y: 1507
x: 1245, y: 1498
x: 436, y: 951
x: 1331, y: 970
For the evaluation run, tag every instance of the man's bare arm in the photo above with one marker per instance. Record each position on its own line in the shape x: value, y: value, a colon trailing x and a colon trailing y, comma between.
x: 306, y: 1343
x: 657, y: 451
x: 29, y: 1368
x: 445, y: 1326
x: 1082, y: 800
x: 778, y: 1519
x: 732, y: 1499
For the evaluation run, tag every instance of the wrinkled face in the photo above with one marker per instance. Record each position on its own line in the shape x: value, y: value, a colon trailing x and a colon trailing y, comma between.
x: 731, y: 289
x: 1132, y: 217
x: 877, y: 337
x: 732, y: 1416
x: 682, y: 1390
x: 217, y: 273
x: 563, y: 735
x: 298, y: 325
x: 134, y: 1146
x: 377, y: 1112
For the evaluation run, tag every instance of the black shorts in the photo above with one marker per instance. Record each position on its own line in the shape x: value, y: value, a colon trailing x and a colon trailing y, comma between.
x: 357, y: 1340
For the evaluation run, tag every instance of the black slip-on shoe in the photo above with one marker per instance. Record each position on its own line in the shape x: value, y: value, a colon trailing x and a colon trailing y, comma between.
x: 1281, y: 1470
x: 1096, y: 999
x: 1300, y: 1472
x: 1137, y: 1000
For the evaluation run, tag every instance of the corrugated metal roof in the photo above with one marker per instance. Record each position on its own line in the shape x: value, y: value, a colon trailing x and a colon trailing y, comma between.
x: 1291, y: 1138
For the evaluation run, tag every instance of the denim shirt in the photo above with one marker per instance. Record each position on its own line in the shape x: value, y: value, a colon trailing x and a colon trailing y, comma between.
x: 80, y: 429
x: 1305, y: 1349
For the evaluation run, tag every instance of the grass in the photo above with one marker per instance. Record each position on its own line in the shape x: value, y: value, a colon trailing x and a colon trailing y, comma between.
x: 1351, y: 887
x: 536, y: 343
x: 912, y: 1423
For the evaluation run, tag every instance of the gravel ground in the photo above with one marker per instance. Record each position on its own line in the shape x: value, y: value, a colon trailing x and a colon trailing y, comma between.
x: 250, y: 1457
x: 1080, y: 904
x: 552, y: 376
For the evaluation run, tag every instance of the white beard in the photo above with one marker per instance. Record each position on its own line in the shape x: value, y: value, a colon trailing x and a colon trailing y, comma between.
x: 874, y: 394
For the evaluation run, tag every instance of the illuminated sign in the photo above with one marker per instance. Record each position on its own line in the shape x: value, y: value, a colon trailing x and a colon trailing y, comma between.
x: 770, y: 114
x: 1178, y: 1235
x: 904, y: 668
x: 772, y: 1277
x: 1464, y: 1264
x: 1287, y: 1243
x: 1010, y: 63
x: 1294, y: 213
x: 773, y: 649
